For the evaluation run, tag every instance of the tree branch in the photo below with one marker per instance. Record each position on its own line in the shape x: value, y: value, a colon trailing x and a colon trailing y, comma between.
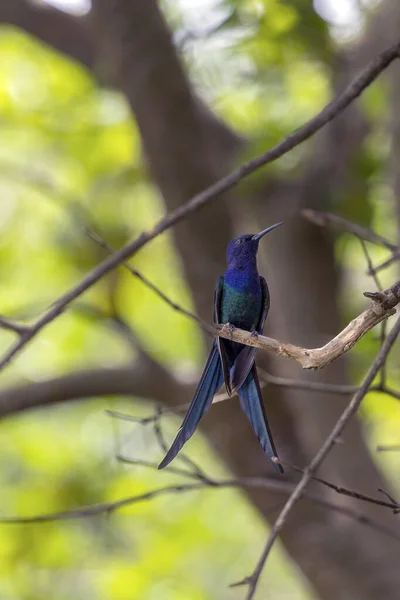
x: 325, y: 219
x: 310, y: 359
x: 143, y: 379
x: 380, y: 309
x: 134, y: 380
x: 348, y: 413
x: 66, y: 33
x: 271, y: 485
x: 392, y: 504
x: 106, y: 246
x: 9, y: 325
x: 137, y: 380
x: 385, y: 264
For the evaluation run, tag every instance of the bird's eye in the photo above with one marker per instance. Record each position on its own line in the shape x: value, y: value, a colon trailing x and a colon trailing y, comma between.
x: 239, y: 241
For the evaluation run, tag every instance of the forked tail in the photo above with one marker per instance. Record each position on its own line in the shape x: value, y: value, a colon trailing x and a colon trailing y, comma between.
x: 252, y: 404
x: 209, y: 384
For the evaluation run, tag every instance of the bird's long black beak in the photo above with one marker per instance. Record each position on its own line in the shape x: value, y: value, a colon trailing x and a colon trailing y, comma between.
x: 258, y: 236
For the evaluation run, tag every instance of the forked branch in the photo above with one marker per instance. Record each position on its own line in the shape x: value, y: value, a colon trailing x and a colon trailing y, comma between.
x: 382, y: 306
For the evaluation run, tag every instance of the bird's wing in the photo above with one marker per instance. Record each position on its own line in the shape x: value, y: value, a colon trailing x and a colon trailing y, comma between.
x: 247, y: 355
x: 221, y: 343
x: 210, y: 382
x: 265, y: 304
x: 252, y: 404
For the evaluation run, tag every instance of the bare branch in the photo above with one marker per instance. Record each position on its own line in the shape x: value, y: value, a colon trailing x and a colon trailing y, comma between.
x: 317, y: 358
x: 17, y: 328
x: 371, y: 271
x: 333, y: 109
x: 151, y: 465
x: 395, y: 257
x: 325, y: 219
x: 271, y: 485
x: 388, y: 448
x: 130, y: 380
x: 66, y: 33
x: 143, y: 379
x: 311, y: 386
x: 103, y: 244
x: 393, y: 504
x: 298, y: 492
x: 390, y: 498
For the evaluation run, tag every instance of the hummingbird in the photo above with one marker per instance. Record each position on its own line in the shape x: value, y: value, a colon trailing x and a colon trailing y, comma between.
x: 241, y: 298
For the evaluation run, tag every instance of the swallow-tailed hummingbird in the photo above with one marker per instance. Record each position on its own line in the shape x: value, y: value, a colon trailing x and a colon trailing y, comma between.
x: 241, y: 298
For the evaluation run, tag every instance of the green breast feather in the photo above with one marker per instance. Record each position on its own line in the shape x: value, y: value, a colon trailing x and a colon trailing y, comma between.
x: 242, y: 309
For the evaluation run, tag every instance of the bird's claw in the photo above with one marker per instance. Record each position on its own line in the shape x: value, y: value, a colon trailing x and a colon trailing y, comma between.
x: 228, y: 328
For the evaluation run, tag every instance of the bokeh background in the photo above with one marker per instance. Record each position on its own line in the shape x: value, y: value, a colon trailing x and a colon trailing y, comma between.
x: 111, y: 114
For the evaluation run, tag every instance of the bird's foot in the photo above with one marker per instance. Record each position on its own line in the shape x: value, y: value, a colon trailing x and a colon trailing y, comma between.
x: 254, y: 334
x: 228, y: 329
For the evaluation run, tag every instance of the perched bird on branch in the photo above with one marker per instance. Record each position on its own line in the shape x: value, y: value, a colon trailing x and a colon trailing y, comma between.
x: 241, y: 298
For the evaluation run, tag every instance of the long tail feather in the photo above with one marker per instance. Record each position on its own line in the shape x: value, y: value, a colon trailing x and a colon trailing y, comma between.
x: 209, y: 384
x: 242, y: 367
x: 252, y: 404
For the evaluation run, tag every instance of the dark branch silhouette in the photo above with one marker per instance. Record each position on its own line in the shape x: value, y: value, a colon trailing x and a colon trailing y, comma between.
x: 298, y: 492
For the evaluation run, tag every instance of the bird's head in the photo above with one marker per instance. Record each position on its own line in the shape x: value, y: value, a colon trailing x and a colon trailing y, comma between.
x: 243, y: 249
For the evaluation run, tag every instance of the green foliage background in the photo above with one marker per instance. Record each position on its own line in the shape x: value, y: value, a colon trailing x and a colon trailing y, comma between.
x: 70, y: 158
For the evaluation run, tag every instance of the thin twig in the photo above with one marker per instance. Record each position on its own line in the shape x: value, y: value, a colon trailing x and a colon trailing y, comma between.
x: 346, y: 492
x: 200, y: 475
x: 151, y: 465
x: 327, y: 114
x: 106, y: 246
x: 391, y: 499
x: 325, y: 219
x: 298, y: 492
x: 370, y: 265
x: 158, y: 431
x: 271, y: 485
x: 390, y: 391
x: 395, y: 257
x: 378, y: 285
x: 388, y: 448
x: 392, y: 504
x: 10, y: 325
x: 383, y: 372
x: 310, y: 386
